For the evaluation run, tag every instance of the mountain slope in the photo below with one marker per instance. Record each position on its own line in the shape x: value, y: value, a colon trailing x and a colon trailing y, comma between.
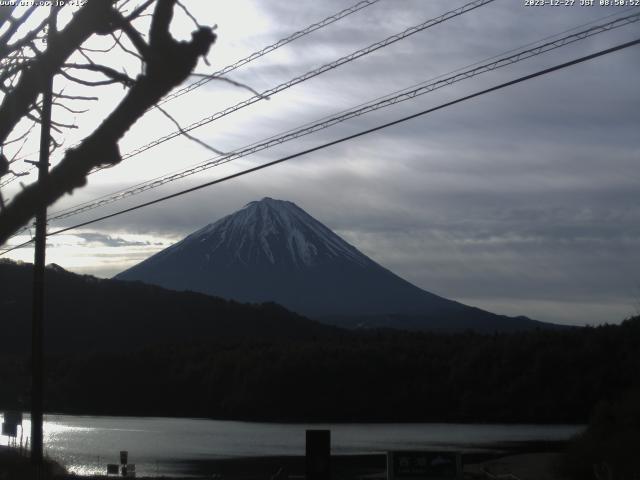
x: 272, y: 250
x: 84, y: 313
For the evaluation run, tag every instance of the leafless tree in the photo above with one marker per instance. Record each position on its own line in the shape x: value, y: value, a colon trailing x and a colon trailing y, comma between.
x: 25, y: 60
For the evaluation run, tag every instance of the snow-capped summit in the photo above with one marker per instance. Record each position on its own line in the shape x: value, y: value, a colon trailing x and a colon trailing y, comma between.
x: 273, y: 251
x: 273, y: 231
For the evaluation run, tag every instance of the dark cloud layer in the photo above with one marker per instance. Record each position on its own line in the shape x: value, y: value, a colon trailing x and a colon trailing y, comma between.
x: 523, y: 201
x: 112, y: 241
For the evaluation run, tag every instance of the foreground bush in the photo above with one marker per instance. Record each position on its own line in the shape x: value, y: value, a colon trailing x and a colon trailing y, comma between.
x: 610, y: 447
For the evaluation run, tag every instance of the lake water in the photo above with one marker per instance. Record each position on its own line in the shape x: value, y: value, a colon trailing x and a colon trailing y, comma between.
x: 85, y: 444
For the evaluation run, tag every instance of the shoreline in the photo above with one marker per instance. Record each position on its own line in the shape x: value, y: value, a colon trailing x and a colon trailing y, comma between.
x: 498, y: 457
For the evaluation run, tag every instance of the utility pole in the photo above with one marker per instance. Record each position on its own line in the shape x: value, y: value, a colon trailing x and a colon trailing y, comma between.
x: 37, y: 344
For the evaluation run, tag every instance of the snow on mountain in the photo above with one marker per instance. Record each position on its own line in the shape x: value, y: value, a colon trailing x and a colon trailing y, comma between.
x: 272, y: 250
x: 260, y: 230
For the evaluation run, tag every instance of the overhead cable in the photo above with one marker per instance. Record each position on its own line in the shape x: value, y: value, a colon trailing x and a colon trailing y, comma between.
x: 270, y: 48
x: 311, y: 74
x: 243, y: 61
x: 326, y: 122
x: 341, y: 140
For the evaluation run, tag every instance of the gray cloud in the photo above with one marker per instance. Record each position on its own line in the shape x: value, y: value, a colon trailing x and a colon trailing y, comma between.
x: 523, y: 201
x: 107, y: 240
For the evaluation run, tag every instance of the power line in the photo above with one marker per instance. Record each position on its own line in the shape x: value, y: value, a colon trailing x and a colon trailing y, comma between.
x: 270, y: 48
x: 607, y: 26
x: 17, y: 175
x: 566, y: 40
x: 282, y: 42
x: 343, y: 139
x: 331, y: 120
x: 250, y: 58
x: 313, y: 73
x: 326, y: 122
x: 292, y: 37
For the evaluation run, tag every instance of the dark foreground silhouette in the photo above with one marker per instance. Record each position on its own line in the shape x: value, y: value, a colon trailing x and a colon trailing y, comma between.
x: 540, y: 376
x: 222, y: 359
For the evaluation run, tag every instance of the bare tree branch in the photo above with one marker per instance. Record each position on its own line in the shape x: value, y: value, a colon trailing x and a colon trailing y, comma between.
x: 14, y: 26
x: 17, y: 139
x: 114, y: 75
x: 235, y: 83
x: 74, y: 97
x: 168, y: 64
x: 6, y: 14
x: 92, y: 16
x: 138, y: 11
x: 186, y: 134
x: 86, y: 57
x: 188, y: 13
x: 15, y: 155
x: 63, y: 125
x: 99, y: 50
x: 135, y: 38
x: 69, y: 109
x: 54, y: 144
x: 119, y: 43
x: 26, y: 40
x: 4, y: 168
x: 87, y: 83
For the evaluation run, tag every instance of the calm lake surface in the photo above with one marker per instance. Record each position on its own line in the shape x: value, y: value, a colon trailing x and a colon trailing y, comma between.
x: 162, y: 446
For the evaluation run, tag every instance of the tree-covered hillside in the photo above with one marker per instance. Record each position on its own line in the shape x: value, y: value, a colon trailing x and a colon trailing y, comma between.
x: 543, y: 376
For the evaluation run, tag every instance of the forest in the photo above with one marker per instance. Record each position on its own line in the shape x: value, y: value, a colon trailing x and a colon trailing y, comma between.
x: 543, y: 376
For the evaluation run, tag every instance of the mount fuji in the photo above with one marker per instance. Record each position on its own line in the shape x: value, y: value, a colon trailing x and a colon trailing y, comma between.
x: 273, y: 251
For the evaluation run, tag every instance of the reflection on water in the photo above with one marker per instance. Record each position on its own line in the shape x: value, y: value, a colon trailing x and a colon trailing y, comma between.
x: 84, y: 445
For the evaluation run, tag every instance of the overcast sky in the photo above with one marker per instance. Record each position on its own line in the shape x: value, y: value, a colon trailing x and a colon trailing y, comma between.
x: 522, y: 202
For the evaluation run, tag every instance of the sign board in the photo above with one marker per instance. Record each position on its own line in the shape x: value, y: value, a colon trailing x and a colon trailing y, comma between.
x: 113, y: 469
x: 424, y: 465
x: 124, y: 457
x: 9, y: 429
x: 318, y: 455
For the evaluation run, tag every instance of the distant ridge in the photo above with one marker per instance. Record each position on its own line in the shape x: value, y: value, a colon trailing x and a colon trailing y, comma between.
x: 272, y: 250
x: 88, y: 314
